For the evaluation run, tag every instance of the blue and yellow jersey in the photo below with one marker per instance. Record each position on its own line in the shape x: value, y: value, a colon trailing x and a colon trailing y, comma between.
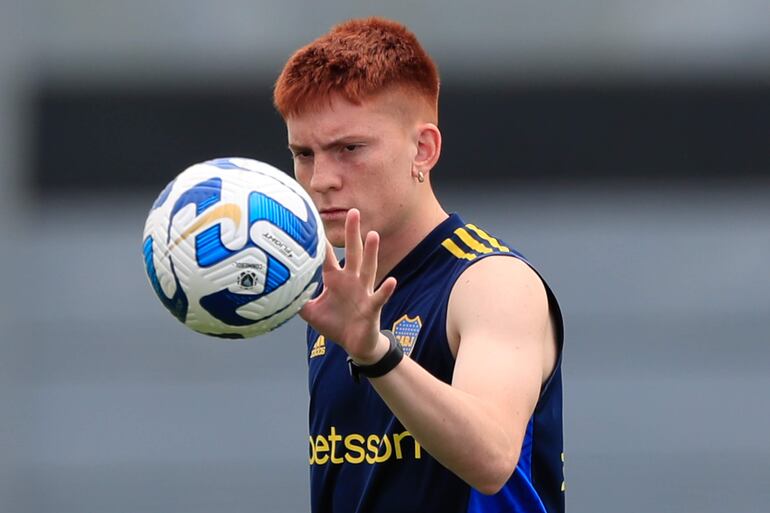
x: 363, y: 460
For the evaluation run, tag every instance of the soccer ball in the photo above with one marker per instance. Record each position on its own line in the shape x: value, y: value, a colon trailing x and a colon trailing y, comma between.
x: 233, y: 247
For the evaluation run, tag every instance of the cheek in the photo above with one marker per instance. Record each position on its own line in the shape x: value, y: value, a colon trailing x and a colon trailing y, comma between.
x: 393, y: 169
x: 302, y: 176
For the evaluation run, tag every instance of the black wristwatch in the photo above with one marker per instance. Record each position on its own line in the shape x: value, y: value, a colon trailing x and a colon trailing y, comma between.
x: 383, y: 366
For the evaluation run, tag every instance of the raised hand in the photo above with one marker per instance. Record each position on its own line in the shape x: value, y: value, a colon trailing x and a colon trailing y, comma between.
x: 348, y: 310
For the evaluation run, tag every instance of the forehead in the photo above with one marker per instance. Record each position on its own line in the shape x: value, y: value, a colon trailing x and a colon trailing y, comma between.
x: 339, y: 117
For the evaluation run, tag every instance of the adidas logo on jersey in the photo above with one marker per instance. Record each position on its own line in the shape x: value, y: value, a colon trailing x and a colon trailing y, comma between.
x: 319, y: 348
x: 470, y: 242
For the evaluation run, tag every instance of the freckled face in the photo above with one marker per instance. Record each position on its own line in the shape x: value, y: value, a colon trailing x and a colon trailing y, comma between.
x: 356, y: 156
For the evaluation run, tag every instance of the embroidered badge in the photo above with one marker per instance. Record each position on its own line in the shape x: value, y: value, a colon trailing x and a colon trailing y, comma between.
x: 406, y: 330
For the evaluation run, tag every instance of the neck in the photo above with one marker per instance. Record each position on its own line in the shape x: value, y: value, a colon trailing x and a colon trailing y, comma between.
x: 395, y: 246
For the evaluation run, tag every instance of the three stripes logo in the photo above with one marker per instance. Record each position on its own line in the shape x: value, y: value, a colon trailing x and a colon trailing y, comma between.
x: 319, y: 347
x: 470, y: 241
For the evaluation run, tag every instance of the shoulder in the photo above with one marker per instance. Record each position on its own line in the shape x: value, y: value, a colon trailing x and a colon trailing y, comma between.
x: 474, y: 267
x: 500, y: 276
x: 497, y: 270
x: 499, y: 290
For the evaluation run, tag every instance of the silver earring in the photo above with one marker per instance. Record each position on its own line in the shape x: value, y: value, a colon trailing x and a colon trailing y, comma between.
x: 420, y: 177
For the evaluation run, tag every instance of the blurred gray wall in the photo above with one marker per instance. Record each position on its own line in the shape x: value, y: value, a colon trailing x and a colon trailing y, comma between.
x: 112, y: 406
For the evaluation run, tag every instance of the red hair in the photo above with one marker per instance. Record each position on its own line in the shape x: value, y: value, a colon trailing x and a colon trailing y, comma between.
x: 356, y: 59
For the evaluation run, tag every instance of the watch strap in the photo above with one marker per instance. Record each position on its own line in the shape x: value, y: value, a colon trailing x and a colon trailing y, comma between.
x: 385, y: 364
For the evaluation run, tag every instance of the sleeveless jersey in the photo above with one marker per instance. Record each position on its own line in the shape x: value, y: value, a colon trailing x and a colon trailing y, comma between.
x: 363, y: 460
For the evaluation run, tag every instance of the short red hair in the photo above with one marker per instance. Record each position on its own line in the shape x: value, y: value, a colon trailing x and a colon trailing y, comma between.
x: 356, y: 59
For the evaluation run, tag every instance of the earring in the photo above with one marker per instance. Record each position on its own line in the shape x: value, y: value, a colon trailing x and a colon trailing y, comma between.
x: 420, y: 177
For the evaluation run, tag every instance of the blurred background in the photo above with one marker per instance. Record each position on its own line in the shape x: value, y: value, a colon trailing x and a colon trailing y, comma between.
x: 622, y: 146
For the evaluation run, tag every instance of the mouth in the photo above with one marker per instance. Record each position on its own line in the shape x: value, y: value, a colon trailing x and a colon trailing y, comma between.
x: 333, y: 214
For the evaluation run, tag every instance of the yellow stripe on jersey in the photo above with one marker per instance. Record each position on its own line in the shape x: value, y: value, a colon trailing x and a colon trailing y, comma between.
x: 484, y: 235
x: 456, y: 251
x: 472, y: 243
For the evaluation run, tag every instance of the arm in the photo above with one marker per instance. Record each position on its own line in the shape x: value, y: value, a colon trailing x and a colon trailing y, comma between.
x: 476, y: 426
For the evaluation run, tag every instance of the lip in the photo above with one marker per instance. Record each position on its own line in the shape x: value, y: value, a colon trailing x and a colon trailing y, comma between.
x: 333, y: 214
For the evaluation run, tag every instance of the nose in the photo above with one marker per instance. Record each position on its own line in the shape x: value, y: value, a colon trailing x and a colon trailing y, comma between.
x: 326, y: 175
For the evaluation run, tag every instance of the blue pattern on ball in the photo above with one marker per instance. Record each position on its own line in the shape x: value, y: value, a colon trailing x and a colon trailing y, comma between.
x: 210, y: 250
x: 203, y: 195
x: 265, y: 208
x: 224, y: 303
x: 177, y: 304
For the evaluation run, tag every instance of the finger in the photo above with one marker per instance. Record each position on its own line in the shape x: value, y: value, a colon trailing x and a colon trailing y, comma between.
x: 307, y: 311
x: 330, y: 262
x: 383, y: 293
x: 353, y: 244
x: 369, y: 261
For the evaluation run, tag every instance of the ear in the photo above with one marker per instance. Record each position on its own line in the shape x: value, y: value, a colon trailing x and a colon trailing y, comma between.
x: 428, y: 148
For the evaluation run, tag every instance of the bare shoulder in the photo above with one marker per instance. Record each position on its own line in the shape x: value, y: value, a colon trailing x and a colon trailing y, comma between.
x: 499, y: 279
x: 501, y: 297
x: 498, y: 271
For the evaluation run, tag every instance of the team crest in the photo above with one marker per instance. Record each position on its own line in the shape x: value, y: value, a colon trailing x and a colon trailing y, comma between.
x: 406, y: 330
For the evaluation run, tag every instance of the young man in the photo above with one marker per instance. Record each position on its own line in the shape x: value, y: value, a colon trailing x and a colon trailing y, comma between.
x: 434, y: 350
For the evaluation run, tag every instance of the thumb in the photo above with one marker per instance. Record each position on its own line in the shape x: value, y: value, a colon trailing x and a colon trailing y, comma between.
x: 383, y: 293
x: 309, y: 309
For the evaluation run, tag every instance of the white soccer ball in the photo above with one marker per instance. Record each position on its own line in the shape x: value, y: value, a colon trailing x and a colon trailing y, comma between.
x: 233, y: 247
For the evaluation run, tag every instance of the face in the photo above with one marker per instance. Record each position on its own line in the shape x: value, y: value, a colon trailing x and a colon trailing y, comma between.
x: 357, y: 156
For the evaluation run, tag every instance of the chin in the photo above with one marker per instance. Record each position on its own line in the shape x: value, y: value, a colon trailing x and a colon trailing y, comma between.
x: 336, y: 236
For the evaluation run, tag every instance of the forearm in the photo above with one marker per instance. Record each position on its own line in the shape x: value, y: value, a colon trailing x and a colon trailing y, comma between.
x: 458, y: 429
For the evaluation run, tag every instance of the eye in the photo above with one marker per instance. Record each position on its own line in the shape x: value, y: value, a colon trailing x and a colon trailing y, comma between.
x: 349, y: 148
x: 302, y: 155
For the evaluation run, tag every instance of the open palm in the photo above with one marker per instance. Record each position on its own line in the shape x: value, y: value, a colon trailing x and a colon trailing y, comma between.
x: 348, y: 310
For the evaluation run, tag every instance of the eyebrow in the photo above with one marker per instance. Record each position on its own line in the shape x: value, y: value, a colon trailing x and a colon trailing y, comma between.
x: 297, y: 149
x: 341, y: 141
